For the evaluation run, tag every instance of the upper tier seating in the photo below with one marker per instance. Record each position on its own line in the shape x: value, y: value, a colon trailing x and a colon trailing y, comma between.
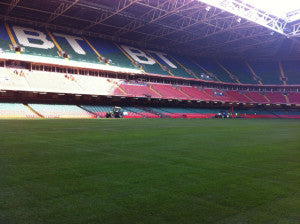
x: 292, y: 71
x: 212, y: 67
x: 111, y: 52
x: 268, y: 71
x: 88, y: 56
x: 81, y: 50
x: 240, y: 70
x: 175, y: 69
x: 198, y: 72
x: 60, y: 111
x: 15, y: 110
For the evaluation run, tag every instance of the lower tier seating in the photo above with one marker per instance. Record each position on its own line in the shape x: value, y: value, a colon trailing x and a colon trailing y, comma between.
x: 60, y: 111
x: 16, y: 110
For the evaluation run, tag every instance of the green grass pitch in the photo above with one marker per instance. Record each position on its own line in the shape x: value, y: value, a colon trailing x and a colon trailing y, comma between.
x: 149, y: 171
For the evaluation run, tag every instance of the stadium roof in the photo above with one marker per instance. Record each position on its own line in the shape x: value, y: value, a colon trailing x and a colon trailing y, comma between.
x: 280, y: 8
x: 183, y: 26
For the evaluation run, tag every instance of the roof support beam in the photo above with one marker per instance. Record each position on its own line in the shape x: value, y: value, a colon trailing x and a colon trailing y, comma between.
x: 163, y: 9
x: 12, y: 5
x: 251, y: 13
x: 200, y: 16
x: 122, y: 5
x: 61, y: 9
x: 295, y: 30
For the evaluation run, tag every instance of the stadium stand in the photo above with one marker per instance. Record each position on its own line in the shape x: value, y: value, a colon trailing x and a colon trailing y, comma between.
x: 95, y: 51
x: 111, y: 52
x: 79, y: 51
x: 240, y: 70
x: 51, y: 82
x: 268, y: 71
x: 134, y: 111
x: 169, y: 91
x: 60, y: 111
x: 219, y: 95
x: 292, y: 71
x: 16, y: 110
x: 99, y: 111
x: 212, y: 67
x: 239, y: 97
x: 138, y: 90
x: 196, y: 93
x: 27, y: 38
x: 96, y: 85
x: 257, y: 97
x: 13, y: 79
x: 294, y: 98
x: 170, y: 64
x: 276, y: 97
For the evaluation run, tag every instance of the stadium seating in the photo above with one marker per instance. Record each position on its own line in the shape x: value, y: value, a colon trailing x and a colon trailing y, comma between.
x: 97, y: 85
x: 287, y: 114
x: 177, y: 70
x: 29, y: 50
x: 169, y: 92
x: 192, y: 67
x: 196, y: 93
x: 99, y: 111
x: 294, y: 98
x: 13, y: 79
x: 88, y: 56
x: 212, y: 67
x: 16, y: 110
x: 292, y: 71
x: 60, y: 111
x: 269, y: 72
x: 240, y: 70
x: 276, y: 97
x: 219, y: 95
x: 83, y: 50
x: 4, y: 38
x: 51, y: 82
x: 134, y: 111
x: 111, y: 52
x: 239, y: 97
x: 185, y: 112
x: 138, y: 90
x: 257, y: 97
